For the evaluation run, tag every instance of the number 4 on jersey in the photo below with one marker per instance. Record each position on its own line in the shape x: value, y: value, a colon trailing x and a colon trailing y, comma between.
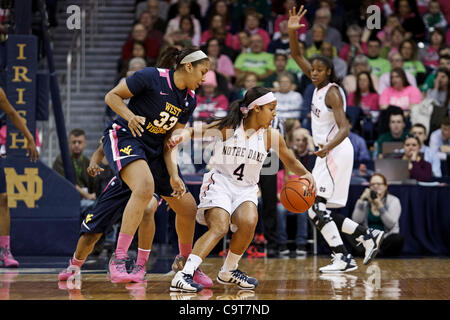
x: 239, y: 172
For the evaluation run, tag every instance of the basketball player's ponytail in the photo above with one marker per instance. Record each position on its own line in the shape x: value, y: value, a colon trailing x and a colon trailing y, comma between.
x: 168, y: 57
x: 234, y: 117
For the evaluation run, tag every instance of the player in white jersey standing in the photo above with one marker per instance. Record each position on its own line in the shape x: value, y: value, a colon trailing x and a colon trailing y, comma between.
x: 228, y: 196
x: 334, y: 163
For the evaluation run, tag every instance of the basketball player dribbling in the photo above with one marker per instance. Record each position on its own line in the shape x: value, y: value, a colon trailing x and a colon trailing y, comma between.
x: 228, y: 196
x: 334, y: 164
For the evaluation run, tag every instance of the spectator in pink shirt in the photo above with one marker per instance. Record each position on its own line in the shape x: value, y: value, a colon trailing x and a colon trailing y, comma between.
x: 252, y: 26
x: 210, y: 103
x: 224, y: 64
x: 218, y: 29
x: 365, y: 96
x: 355, y: 47
x: 400, y: 93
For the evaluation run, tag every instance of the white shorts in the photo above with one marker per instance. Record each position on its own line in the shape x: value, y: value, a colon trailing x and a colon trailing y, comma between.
x: 333, y: 173
x: 218, y: 191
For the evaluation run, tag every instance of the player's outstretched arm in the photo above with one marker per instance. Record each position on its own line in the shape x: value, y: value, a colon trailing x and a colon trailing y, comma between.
x: 277, y: 143
x: 205, y: 130
x: 19, y: 123
x: 296, y: 54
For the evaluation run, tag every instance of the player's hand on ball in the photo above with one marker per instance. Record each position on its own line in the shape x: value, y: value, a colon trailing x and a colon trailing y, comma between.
x: 322, y: 152
x: 178, y: 187
x: 135, y: 124
x: 312, y: 182
x: 94, y: 170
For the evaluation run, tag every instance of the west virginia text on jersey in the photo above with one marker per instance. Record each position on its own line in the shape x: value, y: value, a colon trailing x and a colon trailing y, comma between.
x: 156, y: 98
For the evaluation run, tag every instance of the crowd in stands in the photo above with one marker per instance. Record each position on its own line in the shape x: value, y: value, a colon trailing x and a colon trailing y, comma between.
x: 402, y: 67
x: 395, y: 77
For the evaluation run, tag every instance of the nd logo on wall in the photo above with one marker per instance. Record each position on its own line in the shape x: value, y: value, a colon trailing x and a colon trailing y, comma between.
x: 26, y: 187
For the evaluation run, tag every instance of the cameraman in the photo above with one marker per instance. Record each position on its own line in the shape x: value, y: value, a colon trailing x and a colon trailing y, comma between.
x: 377, y: 209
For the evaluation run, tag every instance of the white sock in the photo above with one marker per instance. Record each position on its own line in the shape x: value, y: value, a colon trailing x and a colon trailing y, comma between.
x: 231, y: 262
x: 331, y: 234
x: 192, y: 263
x: 349, y: 226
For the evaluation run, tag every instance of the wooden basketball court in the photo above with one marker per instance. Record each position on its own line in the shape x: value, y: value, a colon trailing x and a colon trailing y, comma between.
x: 279, y: 279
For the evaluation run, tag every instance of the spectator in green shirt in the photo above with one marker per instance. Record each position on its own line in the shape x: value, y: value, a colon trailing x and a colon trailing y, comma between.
x: 257, y: 60
x: 84, y: 183
x: 411, y: 63
x: 396, y: 132
x: 379, y: 65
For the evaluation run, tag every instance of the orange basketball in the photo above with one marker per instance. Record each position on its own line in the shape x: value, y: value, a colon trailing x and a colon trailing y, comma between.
x: 295, y: 196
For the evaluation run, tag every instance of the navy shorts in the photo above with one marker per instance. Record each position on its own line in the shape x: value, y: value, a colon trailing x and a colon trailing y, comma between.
x: 121, y: 148
x: 2, y: 175
x: 108, y: 209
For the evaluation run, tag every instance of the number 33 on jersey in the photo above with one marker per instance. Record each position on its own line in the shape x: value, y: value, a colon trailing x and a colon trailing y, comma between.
x: 156, y: 98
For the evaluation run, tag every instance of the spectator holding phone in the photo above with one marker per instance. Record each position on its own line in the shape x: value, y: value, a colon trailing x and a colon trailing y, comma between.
x: 378, y: 209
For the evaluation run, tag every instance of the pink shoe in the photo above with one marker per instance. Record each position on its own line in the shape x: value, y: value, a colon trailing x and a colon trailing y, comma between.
x: 203, y: 279
x: 117, y: 270
x: 138, y: 273
x: 199, y: 276
x: 6, y: 258
x: 71, y: 270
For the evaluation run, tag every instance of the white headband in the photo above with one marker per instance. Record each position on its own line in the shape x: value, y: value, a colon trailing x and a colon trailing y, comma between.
x: 265, y: 99
x: 194, y: 56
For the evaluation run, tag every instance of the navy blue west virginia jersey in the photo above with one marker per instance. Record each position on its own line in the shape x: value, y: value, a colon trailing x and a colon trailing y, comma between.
x: 156, y: 98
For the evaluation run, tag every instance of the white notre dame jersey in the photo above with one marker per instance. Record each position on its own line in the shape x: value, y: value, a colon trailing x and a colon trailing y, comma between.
x: 333, y: 172
x: 323, y: 123
x: 240, y: 158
